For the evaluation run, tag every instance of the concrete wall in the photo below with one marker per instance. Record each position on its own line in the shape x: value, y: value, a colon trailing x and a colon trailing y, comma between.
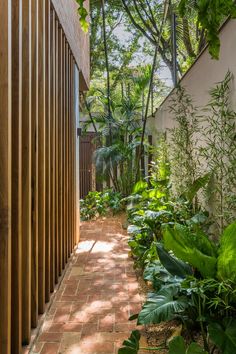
x: 201, y: 77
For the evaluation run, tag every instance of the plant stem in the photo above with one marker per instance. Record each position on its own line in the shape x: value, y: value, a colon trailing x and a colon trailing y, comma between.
x: 206, y: 347
x: 107, y: 65
x: 160, y: 348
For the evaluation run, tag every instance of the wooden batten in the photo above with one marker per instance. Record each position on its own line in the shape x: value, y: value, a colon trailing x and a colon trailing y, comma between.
x: 34, y: 164
x: 41, y: 155
x: 5, y: 178
x: 16, y: 204
x: 56, y: 155
x: 26, y: 170
x: 52, y: 148
x: 47, y: 151
x: 60, y: 205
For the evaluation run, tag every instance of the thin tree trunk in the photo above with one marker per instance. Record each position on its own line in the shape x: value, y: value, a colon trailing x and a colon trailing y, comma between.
x: 141, y: 150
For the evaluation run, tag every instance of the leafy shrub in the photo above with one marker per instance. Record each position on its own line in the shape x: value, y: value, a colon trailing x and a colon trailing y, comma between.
x: 100, y: 204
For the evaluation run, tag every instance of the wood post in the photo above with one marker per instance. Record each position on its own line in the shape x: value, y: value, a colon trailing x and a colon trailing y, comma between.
x: 16, y: 180
x: 34, y: 165
x: 47, y: 151
x: 26, y: 171
x: 5, y: 177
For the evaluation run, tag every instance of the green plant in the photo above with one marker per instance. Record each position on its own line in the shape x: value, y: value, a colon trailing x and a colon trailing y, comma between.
x: 226, y: 266
x: 184, y: 154
x: 83, y: 13
x: 131, y: 346
x: 192, y: 247
x: 178, y: 346
x: 100, y: 204
x: 210, y: 14
x: 219, y: 132
x: 163, y: 305
x: 224, y: 335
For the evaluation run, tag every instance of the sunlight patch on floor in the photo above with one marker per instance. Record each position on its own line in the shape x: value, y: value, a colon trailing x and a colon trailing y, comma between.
x: 104, y: 247
x: 85, y: 246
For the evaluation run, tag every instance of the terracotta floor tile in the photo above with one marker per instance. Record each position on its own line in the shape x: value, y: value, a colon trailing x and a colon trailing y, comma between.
x: 90, y: 311
x: 50, y: 348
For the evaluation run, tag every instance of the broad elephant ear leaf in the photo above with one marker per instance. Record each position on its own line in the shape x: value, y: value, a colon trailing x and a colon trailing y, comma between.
x: 177, y: 346
x: 224, y: 335
x: 186, y: 247
x: 131, y: 345
x: 194, y: 348
x: 174, y: 266
x: 162, y: 306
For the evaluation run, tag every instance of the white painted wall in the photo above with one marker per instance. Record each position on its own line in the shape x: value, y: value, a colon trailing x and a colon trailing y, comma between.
x: 201, y: 77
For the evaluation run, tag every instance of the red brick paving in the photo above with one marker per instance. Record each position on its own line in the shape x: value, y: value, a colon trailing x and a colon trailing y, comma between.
x: 98, y: 294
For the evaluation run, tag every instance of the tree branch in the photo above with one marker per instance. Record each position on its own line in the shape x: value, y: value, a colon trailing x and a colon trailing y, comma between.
x: 137, y: 25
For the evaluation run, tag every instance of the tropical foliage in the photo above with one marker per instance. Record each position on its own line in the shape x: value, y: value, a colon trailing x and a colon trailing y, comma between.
x: 98, y: 204
x: 171, y: 238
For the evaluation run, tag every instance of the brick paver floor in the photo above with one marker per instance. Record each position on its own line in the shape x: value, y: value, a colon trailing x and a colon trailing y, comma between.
x: 99, y: 292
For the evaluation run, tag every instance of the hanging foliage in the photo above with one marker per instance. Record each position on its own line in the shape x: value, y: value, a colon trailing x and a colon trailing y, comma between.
x: 83, y: 13
x: 210, y: 14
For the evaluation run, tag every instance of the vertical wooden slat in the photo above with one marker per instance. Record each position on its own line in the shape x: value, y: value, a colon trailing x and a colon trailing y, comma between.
x: 60, y: 150
x: 63, y: 153
x: 77, y: 152
x: 56, y: 155
x: 66, y: 150
x: 48, y: 155
x: 34, y: 165
x: 72, y: 150
x: 41, y: 157
x: 5, y: 177
x: 71, y: 105
x: 69, y: 152
x: 52, y: 148
x: 26, y: 171
x: 16, y: 334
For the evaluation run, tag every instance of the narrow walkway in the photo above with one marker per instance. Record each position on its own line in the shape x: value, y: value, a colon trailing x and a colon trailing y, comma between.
x: 98, y: 294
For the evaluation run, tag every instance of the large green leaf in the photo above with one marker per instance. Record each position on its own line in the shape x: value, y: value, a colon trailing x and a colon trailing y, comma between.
x: 173, y: 265
x: 186, y: 246
x: 131, y: 345
x: 177, y: 346
x: 196, y: 186
x: 140, y: 186
x: 226, y: 267
x: 158, y: 275
x: 224, y: 335
x: 162, y: 306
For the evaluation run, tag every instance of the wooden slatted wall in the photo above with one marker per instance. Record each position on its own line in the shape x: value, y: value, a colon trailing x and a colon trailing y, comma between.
x: 37, y: 164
